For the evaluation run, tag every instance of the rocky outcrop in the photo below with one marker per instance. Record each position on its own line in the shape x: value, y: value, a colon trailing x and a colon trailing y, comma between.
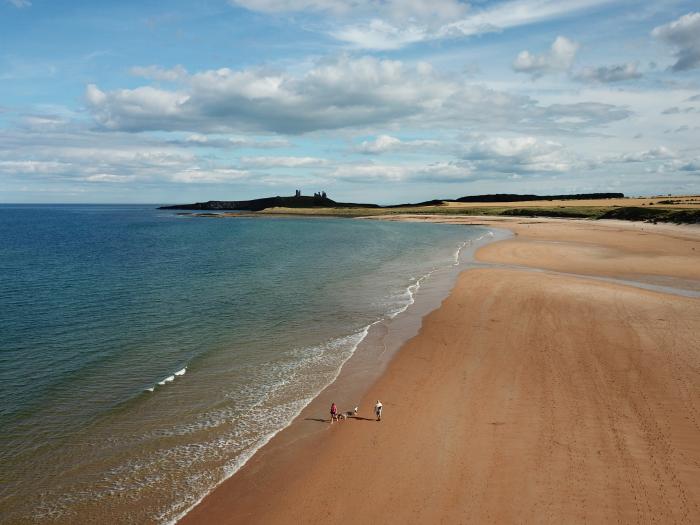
x: 298, y: 201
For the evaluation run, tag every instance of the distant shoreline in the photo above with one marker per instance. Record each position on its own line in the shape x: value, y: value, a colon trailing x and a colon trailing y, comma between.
x: 679, y: 210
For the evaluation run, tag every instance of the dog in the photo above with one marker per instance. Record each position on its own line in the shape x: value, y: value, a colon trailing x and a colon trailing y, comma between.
x: 342, y: 416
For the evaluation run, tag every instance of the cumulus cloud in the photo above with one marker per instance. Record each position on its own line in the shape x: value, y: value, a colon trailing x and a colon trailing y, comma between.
x: 381, y: 144
x: 607, y: 74
x: 387, y: 143
x: 520, y: 155
x: 657, y: 153
x: 684, y: 35
x: 133, y: 105
x: 334, y: 94
x: 559, y: 58
x: 341, y: 93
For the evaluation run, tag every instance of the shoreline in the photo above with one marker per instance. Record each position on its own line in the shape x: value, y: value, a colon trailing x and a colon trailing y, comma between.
x: 363, y: 367
x: 293, y: 457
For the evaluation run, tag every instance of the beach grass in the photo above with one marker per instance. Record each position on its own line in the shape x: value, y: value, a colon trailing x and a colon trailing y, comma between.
x: 657, y: 213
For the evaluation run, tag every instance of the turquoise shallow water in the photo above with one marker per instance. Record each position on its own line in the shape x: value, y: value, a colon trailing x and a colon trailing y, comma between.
x: 145, y: 355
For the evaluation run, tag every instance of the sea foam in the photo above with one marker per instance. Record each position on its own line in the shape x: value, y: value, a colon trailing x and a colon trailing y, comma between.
x: 168, y: 379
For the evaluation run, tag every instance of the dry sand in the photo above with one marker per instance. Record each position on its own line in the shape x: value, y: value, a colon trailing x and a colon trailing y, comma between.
x: 527, y: 397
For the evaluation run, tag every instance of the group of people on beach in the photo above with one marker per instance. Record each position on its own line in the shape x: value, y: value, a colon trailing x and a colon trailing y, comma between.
x: 336, y: 416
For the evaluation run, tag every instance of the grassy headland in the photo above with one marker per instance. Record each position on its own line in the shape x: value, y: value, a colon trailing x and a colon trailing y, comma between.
x: 678, y: 209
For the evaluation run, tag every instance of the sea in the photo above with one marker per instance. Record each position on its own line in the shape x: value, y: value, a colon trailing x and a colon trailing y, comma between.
x: 145, y: 355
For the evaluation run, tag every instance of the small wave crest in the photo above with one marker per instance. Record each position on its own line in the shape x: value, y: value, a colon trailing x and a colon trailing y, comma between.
x: 167, y: 379
x: 468, y: 242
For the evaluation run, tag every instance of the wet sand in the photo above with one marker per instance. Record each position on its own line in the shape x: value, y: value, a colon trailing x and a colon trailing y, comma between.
x: 528, y: 396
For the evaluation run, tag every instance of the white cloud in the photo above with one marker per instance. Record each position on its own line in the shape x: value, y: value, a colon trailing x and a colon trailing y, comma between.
x: 132, y: 105
x: 559, y: 58
x: 380, y: 144
x: 392, y: 24
x: 340, y: 93
x: 657, y: 153
x: 607, y: 74
x: 20, y: 4
x: 282, y: 162
x: 386, y: 143
x: 197, y: 138
x: 209, y: 141
x: 517, y: 13
x: 380, y: 35
x: 197, y: 175
x: 684, y: 35
x: 103, y: 157
x: 41, y: 167
x: 396, y: 173
x: 520, y: 155
x: 107, y: 177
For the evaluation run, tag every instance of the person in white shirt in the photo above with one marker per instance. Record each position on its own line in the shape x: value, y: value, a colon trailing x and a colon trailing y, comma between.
x: 378, y: 410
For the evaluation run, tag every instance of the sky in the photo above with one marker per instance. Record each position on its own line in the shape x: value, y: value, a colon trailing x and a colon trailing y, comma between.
x: 384, y: 101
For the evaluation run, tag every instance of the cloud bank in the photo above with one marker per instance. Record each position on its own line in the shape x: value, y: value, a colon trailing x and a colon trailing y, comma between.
x: 340, y: 93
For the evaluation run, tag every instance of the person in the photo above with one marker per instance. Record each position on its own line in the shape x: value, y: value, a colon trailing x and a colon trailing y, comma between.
x: 334, y: 412
x: 378, y: 410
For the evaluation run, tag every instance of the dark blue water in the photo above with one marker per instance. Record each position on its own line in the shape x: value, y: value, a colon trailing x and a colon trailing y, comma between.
x: 148, y: 354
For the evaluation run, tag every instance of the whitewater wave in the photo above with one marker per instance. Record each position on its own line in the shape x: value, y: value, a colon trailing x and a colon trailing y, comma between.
x: 167, y: 379
x: 287, y: 412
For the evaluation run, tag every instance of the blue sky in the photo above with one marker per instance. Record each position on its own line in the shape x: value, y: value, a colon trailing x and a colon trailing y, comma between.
x: 375, y: 100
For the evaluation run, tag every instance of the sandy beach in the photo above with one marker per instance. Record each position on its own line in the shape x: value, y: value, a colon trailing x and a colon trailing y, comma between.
x: 541, y: 391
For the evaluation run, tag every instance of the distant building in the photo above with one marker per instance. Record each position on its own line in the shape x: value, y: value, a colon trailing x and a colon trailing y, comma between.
x: 297, y: 193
